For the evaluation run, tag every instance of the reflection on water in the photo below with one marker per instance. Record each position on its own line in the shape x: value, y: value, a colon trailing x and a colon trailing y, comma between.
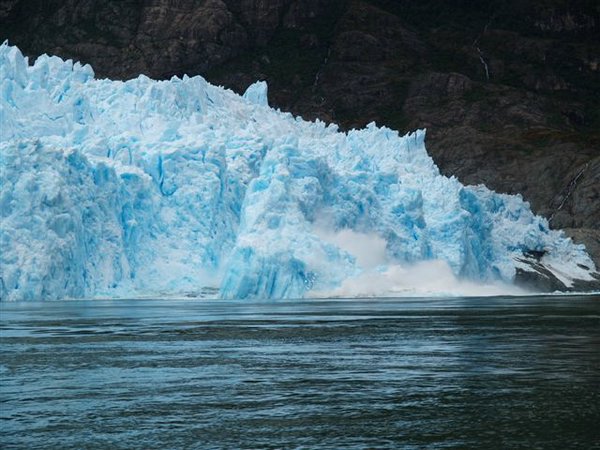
x: 457, y: 373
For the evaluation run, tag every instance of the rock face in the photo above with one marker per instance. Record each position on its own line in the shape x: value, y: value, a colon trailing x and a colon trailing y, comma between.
x: 509, y: 92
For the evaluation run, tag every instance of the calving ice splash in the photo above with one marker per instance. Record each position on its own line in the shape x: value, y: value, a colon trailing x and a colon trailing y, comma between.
x: 146, y: 187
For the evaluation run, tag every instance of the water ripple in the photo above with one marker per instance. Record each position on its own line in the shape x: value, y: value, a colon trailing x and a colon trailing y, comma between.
x: 428, y: 373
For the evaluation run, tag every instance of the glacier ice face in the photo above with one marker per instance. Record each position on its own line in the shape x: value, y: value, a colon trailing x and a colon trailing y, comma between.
x: 144, y: 187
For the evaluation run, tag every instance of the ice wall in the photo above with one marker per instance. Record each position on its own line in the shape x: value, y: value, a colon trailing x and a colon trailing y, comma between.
x: 146, y: 187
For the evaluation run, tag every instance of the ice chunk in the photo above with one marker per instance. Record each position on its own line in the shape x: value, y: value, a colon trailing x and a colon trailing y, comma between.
x: 146, y: 187
x: 257, y: 93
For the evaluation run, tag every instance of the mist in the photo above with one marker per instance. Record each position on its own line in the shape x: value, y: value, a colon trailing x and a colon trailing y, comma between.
x: 381, y: 277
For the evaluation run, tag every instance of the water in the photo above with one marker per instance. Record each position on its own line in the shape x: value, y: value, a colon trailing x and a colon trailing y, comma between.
x: 458, y: 373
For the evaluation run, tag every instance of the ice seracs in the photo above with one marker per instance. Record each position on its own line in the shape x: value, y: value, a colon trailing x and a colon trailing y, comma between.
x: 143, y: 187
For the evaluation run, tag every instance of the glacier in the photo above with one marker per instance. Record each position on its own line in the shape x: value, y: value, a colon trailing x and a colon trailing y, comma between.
x: 143, y: 187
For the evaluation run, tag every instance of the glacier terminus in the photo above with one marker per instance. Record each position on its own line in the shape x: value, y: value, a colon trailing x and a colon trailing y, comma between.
x: 143, y: 187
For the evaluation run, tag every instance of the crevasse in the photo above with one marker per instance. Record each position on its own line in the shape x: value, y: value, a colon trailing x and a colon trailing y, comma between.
x: 144, y: 187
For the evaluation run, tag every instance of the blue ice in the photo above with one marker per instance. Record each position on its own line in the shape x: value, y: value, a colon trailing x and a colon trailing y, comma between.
x: 145, y: 188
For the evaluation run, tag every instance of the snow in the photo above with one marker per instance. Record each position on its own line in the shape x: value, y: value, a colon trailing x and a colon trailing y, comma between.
x: 144, y: 187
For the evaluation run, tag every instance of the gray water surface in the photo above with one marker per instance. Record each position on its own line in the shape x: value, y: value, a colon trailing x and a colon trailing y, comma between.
x: 416, y: 373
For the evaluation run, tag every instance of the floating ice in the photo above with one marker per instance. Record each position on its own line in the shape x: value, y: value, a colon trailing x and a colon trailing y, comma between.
x: 144, y: 187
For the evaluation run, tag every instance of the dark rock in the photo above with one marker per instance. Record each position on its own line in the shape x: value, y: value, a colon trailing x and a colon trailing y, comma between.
x: 310, y: 41
x: 358, y: 46
x: 590, y: 238
x: 539, y: 279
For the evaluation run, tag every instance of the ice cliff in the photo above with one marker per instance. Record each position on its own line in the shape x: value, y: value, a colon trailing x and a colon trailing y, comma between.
x: 146, y: 187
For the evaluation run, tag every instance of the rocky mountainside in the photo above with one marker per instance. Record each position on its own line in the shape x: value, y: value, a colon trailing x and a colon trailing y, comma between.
x: 508, y: 90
